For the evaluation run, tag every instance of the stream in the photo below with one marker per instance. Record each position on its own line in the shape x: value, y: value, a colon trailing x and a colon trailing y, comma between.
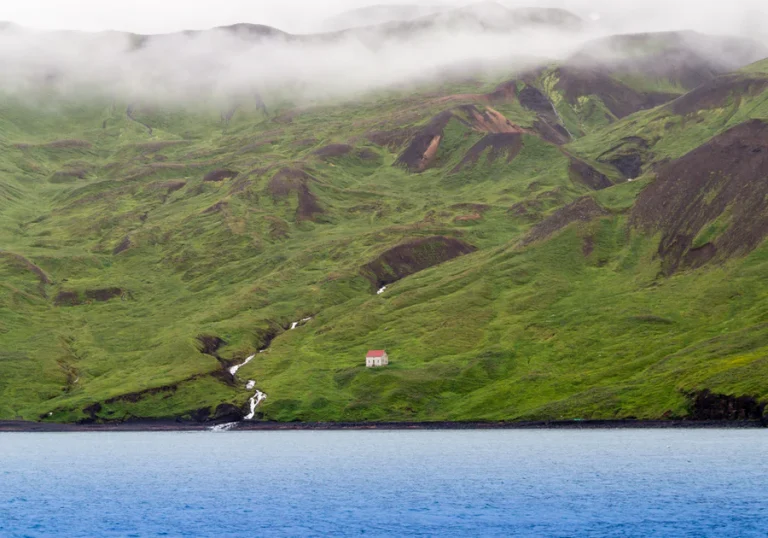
x: 258, y: 396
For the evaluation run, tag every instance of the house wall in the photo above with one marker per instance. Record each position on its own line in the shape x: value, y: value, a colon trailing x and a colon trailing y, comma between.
x: 374, y: 362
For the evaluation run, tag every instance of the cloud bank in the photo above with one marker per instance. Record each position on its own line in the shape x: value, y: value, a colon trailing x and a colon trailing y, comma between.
x: 222, y: 63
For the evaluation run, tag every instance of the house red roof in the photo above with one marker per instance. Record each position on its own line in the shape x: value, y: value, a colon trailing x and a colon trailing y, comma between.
x: 376, y: 353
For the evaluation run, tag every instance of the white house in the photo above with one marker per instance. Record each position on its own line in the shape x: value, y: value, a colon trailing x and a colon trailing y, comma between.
x: 376, y: 358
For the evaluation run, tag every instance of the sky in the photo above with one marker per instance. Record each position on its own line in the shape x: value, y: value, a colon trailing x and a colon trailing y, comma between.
x: 157, y: 16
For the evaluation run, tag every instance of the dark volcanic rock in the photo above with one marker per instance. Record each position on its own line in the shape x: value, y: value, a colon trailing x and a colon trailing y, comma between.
x: 532, y: 99
x: 587, y: 175
x: 628, y: 157
x: 413, y: 256
x: 228, y: 413
x: 706, y: 405
x: 722, y: 184
x: 630, y: 165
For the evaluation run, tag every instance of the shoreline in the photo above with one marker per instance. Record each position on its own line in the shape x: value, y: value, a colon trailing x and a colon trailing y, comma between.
x: 20, y: 426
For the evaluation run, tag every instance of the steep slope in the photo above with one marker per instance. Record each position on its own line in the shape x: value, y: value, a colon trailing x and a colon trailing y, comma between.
x: 509, y: 272
x: 612, y: 78
x: 644, y: 140
x: 710, y: 203
x: 675, y: 60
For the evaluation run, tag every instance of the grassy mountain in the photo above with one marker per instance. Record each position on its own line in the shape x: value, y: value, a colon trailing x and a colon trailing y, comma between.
x: 539, y: 262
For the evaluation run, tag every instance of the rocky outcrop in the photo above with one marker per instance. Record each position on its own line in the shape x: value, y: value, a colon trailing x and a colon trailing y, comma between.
x: 706, y: 405
x: 585, y: 174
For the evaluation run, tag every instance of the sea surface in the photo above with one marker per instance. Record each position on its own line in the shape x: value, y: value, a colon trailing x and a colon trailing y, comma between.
x: 386, y: 483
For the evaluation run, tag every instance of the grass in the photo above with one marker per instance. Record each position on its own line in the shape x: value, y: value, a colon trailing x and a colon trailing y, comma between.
x: 550, y: 331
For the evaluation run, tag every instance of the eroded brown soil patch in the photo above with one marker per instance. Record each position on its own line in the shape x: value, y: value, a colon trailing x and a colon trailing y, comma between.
x: 104, y: 294
x: 422, y: 150
x: 585, y: 174
x: 289, y: 180
x: 582, y: 210
x: 124, y: 245
x: 73, y: 298
x: 220, y: 175
x: 27, y: 265
x: 495, y: 146
x: 333, y: 150
x: 724, y: 180
x: 210, y: 344
x: 413, y: 256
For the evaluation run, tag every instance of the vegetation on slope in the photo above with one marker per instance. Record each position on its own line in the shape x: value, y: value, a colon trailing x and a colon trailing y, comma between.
x: 145, y: 251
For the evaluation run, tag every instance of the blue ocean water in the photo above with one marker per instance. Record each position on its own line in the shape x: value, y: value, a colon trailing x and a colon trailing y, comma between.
x: 386, y: 483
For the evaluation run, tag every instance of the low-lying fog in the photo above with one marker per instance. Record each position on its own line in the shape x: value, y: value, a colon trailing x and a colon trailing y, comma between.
x: 419, y: 42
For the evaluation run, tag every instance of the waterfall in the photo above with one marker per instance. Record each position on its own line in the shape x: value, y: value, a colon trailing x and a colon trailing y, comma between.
x: 235, y: 368
x: 256, y: 399
x: 300, y: 322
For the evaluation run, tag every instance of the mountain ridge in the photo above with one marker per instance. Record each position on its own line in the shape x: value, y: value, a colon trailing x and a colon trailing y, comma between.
x: 519, y: 259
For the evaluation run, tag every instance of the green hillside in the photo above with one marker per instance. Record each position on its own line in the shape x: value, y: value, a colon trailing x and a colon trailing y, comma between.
x: 553, y: 246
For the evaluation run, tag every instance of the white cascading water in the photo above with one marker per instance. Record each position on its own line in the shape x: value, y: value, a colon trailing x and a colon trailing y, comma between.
x: 256, y: 399
x: 300, y: 322
x: 382, y: 290
x: 235, y: 368
x: 223, y: 427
